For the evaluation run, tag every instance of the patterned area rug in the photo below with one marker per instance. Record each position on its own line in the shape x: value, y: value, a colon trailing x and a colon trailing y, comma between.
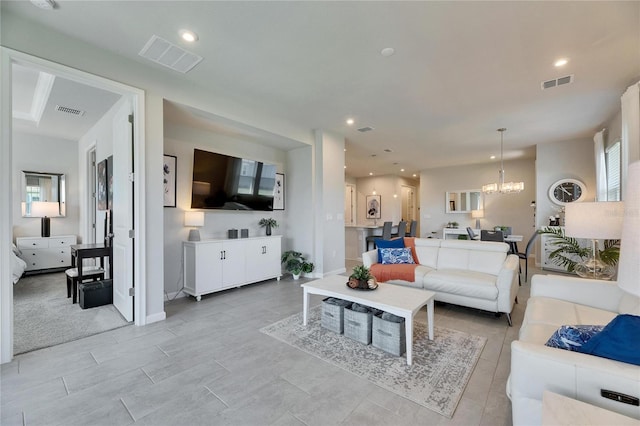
x: 440, y: 372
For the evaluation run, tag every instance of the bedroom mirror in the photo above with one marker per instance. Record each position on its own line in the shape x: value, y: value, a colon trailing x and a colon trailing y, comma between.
x: 463, y: 201
x: 47, y: 187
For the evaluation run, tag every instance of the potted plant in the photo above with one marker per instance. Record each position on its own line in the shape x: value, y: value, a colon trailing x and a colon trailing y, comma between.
x: 568, y: 252
x: 268, y: 223
x: 295, y: 263
x: 361, y: 278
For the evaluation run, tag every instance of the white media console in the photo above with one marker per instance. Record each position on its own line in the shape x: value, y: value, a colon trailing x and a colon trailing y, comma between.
x: 215, y: 265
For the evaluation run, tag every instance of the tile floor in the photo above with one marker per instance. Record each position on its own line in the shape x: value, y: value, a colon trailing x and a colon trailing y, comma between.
x: 209, y: 364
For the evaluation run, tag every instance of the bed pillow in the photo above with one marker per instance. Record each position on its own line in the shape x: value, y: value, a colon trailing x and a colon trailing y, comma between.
x: 572, y: 337
x: 395, y: 243
x: 395, y: 256
x: 619, y: 340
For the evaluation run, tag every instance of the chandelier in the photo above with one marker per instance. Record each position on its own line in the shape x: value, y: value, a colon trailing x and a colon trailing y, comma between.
x: 502, y: 186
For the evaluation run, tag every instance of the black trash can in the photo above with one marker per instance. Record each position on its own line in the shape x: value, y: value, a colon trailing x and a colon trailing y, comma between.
x: 96, y: 293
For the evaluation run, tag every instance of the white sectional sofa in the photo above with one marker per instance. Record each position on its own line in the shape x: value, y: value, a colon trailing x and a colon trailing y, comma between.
x: 556, y: 301
x: 476, y: 274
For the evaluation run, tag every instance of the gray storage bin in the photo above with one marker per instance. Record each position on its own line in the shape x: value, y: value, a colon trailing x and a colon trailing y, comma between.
x: 388, y: 336
x: 333, y: 315
x: 357, y: 325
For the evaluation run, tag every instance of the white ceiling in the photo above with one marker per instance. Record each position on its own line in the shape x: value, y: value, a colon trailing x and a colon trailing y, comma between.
x: 461, y: 69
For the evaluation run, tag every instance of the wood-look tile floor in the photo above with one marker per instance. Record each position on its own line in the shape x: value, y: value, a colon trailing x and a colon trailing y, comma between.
x: 208, y: 364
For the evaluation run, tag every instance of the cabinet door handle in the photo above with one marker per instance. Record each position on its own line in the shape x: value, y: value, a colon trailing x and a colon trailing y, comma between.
x: 221, y: 255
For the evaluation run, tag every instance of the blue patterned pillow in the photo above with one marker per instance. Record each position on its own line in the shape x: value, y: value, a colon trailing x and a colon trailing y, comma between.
x: 393, y: 256
x: 383, y: 244
x: 572, y: 337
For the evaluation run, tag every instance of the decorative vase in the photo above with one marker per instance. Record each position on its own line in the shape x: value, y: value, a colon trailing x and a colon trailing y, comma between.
x: 268, y: 229
x: 296, y: 276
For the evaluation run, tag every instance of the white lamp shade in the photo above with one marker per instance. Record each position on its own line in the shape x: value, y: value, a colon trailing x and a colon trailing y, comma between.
x: 598, y: 220
x: 193, y: 218
x: 629, y: 263
x: 45, y: 209
x: 477, y: 214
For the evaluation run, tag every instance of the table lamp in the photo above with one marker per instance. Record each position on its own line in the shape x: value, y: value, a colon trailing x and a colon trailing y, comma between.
x: 629, y: 263
x: 195, y: 219
x: 45, y: 210
x: 477, y: 215
x: 597, y: 221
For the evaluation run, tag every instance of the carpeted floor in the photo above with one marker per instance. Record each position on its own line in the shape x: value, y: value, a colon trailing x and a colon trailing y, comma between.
x: 43, y: 316
x: 440, y: 372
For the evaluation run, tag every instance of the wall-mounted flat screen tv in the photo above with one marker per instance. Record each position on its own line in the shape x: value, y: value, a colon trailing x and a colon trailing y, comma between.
x: 230, y: 183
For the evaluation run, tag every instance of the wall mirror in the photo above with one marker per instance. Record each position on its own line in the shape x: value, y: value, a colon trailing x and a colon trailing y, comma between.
x: 463, y: 201
x: 39, y: 186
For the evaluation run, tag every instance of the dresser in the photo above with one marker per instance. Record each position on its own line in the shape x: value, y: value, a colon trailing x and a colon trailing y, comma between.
x: 215, y: 265
x: 44, y: 253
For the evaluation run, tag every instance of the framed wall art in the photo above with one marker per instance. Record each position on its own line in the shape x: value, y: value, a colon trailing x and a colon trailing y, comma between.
x: 169, y: 172
x: 278, y: 192
x: 102, y: 189
x: 373, y: 207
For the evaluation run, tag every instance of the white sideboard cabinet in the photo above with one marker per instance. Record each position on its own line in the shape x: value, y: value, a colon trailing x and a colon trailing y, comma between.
x: 214, y: 265
x: 42, y: 253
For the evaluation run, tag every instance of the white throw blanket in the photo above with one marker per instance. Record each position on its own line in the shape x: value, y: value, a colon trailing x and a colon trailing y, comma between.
x: 17, y: 265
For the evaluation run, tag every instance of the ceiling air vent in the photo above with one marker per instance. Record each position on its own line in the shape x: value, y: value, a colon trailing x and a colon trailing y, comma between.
x: 169, y: 55
x: 556, y: 82
x: 68, y: 110
x: 365, y: 129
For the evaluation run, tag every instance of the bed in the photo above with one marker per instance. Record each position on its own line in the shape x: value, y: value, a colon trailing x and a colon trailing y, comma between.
x: 17, y: 265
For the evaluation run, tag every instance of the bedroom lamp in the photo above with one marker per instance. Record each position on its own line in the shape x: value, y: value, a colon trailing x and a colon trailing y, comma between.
x: 477, y: 215
x: 629, y: 263
x: 45, y: 210
x: 196, y: 220
x: 596, y: 220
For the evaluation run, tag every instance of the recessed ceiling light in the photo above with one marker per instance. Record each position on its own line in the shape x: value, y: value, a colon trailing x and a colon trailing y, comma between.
x: 561, y: 62
x: 188, y: 36
x: 415, y: 175
x: 345, y: 167
x: 370, y: 174
x: 402, y: 170
x: 493, y: 157
x: 350, y: 121
x: 387, y: 51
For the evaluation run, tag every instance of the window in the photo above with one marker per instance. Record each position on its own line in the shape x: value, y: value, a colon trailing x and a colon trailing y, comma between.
x: 612, y: 158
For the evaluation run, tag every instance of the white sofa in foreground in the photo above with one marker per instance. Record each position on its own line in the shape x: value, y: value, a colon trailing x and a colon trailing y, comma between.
x: 557, y: 301
x: 476, y: 274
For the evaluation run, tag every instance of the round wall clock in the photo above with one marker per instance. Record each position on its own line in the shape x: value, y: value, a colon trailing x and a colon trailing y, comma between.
x: 567, y: 191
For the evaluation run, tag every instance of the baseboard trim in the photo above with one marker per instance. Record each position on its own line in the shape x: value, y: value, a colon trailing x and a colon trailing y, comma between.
x: 160, y: 316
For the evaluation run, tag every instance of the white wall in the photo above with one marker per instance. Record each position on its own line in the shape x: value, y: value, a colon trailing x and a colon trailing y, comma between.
x: 499, y: 209
x: 38, y: 153
x: 329, y: 173
x: 181, y: 141
x: 299, y: 229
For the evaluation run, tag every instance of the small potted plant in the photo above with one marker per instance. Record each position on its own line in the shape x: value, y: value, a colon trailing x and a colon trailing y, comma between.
x: 268, y: 223
x: 362, y: 279
x: 295, y: 263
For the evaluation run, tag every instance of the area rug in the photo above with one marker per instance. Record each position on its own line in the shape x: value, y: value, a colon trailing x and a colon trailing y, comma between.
x: 440, y: 372
x: 43, y: 316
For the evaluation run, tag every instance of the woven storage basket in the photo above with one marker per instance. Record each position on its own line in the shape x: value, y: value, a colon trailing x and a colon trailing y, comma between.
x: 357, y: 325
x: 333, y: 316
x: 388, y: 336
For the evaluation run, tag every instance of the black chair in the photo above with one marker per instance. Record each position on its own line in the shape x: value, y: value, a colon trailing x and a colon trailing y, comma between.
x: 525, y: 255
x: 472, y: 235
x: 488, y: 235
x: 413, y: 229
x: 402, y: 230
x: 386, y: 235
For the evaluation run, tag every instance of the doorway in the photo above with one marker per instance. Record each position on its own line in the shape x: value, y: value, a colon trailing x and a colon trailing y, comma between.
x: 349, y: 204
x: 85, y: 227
x: 409, y: 205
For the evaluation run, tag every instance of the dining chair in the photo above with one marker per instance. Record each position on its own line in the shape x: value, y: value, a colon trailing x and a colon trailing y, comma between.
x: 402, y: 230
x: 472, y: 235
x: 413, y: 229
x: 525, y: 255
x: 488, y: 235
x: 386, y: 235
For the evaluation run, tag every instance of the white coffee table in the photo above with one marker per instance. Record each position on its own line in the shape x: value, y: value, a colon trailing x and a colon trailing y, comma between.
x: 404, y: 302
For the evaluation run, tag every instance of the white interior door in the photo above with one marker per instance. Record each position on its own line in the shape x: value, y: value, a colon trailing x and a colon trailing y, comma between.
x: 349, y: 204
x: 122, y: 212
